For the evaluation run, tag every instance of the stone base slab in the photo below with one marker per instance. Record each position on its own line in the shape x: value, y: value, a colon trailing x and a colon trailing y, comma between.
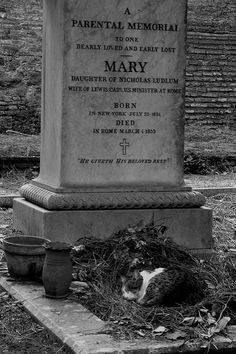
x: 189, y: 227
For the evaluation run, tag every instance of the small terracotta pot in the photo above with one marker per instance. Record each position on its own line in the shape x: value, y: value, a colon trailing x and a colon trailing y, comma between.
x: 57, y: 269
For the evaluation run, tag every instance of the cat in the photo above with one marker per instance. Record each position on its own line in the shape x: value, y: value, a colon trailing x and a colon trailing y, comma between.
x: 161, y: 286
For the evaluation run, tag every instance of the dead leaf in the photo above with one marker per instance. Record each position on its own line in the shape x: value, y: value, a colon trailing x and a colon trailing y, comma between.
x: 140, y: 225
x: 218, y: 338
x: 199, y: 319
x: 176, y: 335
x: 79, y: 248
x: 210, y: 285
x: 222, y: 324
x: 131, y: 230
x: 210, y: 319
x: 219, y: 326
x: 204, y: 310
x: 190, y: 321
x: 3, y: 294
x: 204, y: 345
x: 140, y: 333
x: 159, y: 330
x: 75, y: 285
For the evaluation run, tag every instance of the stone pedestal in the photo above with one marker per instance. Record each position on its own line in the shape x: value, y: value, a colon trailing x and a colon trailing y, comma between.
x: 189, y: 227
x: 67, y: 215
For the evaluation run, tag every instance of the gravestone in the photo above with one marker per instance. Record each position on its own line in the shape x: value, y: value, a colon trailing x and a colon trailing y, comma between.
x: 112, y: 140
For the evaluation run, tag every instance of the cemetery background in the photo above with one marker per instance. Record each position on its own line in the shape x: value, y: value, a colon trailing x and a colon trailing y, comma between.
x: 210, y: 82
x: 215, y: 111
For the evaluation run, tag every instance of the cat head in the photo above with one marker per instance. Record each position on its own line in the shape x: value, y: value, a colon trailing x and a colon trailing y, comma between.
x: 131, y: 284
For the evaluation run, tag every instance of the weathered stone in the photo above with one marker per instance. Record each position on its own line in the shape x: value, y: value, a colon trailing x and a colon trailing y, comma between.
x: 189, y: 227
x: 113, y: 100
x: 113, y: 123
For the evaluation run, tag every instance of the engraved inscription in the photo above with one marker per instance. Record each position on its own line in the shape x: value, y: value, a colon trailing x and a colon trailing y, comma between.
x: 134, y: 87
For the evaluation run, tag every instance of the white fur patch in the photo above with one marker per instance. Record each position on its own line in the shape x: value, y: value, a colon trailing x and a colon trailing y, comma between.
x: 139, y: 294
x: 128, y: 295
x: 146, y: 280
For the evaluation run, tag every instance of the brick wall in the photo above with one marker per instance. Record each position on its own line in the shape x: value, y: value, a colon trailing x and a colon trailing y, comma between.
x: 211, y: 62
x: 210, y: 76
x: 20, y: 65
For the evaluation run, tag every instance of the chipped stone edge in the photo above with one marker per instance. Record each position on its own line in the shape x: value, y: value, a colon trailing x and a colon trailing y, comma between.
x: 98, y: 342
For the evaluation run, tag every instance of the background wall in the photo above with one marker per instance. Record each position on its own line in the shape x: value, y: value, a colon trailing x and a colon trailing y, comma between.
x: 211, y: 65
x: 210, y: 75
x: 20, y: 65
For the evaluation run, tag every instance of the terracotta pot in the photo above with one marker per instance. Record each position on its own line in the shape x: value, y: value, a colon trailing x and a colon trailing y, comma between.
x: 24, y: 255
x: 57, y: 269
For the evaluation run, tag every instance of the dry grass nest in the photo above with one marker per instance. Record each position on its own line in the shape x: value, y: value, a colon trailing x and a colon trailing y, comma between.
x: 210, y: 294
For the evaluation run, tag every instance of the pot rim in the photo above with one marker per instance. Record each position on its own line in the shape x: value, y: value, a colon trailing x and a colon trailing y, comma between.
x: 57, y: 246
x: 7, y: 241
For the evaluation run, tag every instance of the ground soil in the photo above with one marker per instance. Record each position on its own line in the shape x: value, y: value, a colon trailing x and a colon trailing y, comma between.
x: 20, y: 334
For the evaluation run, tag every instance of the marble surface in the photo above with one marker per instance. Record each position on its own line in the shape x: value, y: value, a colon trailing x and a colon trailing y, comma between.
x: 113, y: 94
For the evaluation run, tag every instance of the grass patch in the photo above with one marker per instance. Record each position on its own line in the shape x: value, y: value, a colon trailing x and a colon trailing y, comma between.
x: 19, y: 145
x: 224, y: 221
x: 13, y: 179
x: 204, y: 164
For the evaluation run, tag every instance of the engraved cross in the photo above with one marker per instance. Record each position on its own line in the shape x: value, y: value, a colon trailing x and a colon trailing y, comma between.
x: 124, y: 146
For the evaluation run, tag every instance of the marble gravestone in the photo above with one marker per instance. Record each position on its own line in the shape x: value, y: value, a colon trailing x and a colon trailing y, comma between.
x: 112, y: 140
